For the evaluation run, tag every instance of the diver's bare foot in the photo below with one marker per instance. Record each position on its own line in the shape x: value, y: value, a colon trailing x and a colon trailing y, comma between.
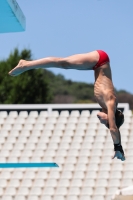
x: 19, y: 69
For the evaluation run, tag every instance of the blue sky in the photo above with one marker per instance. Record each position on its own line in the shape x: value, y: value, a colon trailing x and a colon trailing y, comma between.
x: 62, y: 28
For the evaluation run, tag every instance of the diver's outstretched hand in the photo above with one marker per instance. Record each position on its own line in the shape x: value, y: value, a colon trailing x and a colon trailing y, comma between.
x: 19, y: 69
x: 119, y: 155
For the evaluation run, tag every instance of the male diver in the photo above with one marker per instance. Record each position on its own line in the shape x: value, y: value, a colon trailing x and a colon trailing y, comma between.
x: 104, y: 91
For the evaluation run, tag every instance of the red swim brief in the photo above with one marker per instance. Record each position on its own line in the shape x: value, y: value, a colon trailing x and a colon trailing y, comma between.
x: 103, y: 58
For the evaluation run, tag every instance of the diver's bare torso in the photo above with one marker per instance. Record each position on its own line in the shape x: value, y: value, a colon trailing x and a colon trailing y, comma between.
x: 103, y: 87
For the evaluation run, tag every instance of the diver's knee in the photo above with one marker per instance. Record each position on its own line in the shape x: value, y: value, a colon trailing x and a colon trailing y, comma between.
x: 63, y: 63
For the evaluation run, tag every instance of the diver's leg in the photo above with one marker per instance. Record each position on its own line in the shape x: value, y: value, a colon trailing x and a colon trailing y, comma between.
x: 79, y: 61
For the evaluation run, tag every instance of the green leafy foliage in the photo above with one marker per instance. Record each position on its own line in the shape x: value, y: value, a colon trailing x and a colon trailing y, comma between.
x: 29, y: 88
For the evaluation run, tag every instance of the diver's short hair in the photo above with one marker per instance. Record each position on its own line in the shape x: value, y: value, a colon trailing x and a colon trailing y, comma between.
x: 119, y: 118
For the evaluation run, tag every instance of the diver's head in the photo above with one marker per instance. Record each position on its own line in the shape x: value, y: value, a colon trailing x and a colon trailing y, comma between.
x: 119, y: 118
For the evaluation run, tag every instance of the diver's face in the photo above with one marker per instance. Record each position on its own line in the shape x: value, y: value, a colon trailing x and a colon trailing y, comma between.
x: 103, y: 117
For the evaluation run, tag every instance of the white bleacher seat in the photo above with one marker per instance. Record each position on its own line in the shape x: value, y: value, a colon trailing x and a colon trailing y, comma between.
x: 81, y: 126
x: 51, y: 183
x: 114, y: 183
x: 6, y: 127
x: 89, y: 138
x: 36, y: 133
x: 85, y: 113
x: 49, y: 126
x: 3, y: 114
x: 7, y: 197
x: 28, y: 127
x: 5, y: 153
x: 33, y: 114
x: 10, y: 191
x: 48, y: 197
x: 41, y: 120
x: 64, y: 113
x: 54, y: 113
x: 30, y: 120
x: 83, y: 120
x: 41, y: 146
x: 22, y: 139
x: 33, y: 197
x: 95, y: 159
x: 98, y: 145
x: 61, y: 152
x: 42, y: 174
x: 24, y: 159
x: 98, y: 197
x: 99, y: 191
x: 77, y: 182
x: 3, y: 183
x: 13, y: 114
x: 68, y: 133
x: 126, y: 182
x: 23, y: 191
x: 86, y: 152
x: 94, y: 113
x: 127, y: 113
x: 62, y: 120
x: 12, y: 159
x: 100, y: 138
x: 75, y: 113
x: 23, y: 114
x: 66, y: 139
x: 86, y: 191
x: 112, y: 190
x: 14, y: 133
x: 77, y: 139
x: 11, y: 139
x: 91, y: 174
x: 35, y: 191
x: 103, y: 175
x: 50, y: 152
x: 52, y: 120
x: 89, y: 182
x: 128, y: 166
x: 71, y: 126
x: 20, y: 197
x: 93, y: 167
x: 81, y: 167
x: 39, y: 127
x: 17, y: 174
x: 39, y: 183
x: 92, y: 126
x: 19, y: 146
x: 61, y: 191
x: 2, y: 121
x: 15, y: 153
x: 102, y: 132
x: 43, y: 114
x: 35, y: 159
x: 85, y: 197
x: 29, y: 174
x: 96, y: 152
x: 58, y: 133
x: 59, y: 197
x: 59, y: 127
x: 14, y: 183
x: 125, y: 126
x: 90, y: 132
x: 39, y: 153
x: 128, y: 174
x: 48, y: 191
x: 74, y: 191
x: 3, y: 159
x: 117, y: 166
x: 20, y: 120
x: 105, y: 167
x: 72, y: 120
x: 9, y: 120
x: 18, y: 127
x: 79, y: 132
x: 64, y: 182
x: 33, y: 139
x: 79, y: 175
x: 44, y: 138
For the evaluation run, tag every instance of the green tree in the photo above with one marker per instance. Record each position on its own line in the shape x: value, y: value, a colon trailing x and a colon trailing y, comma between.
x: 30, y: 87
